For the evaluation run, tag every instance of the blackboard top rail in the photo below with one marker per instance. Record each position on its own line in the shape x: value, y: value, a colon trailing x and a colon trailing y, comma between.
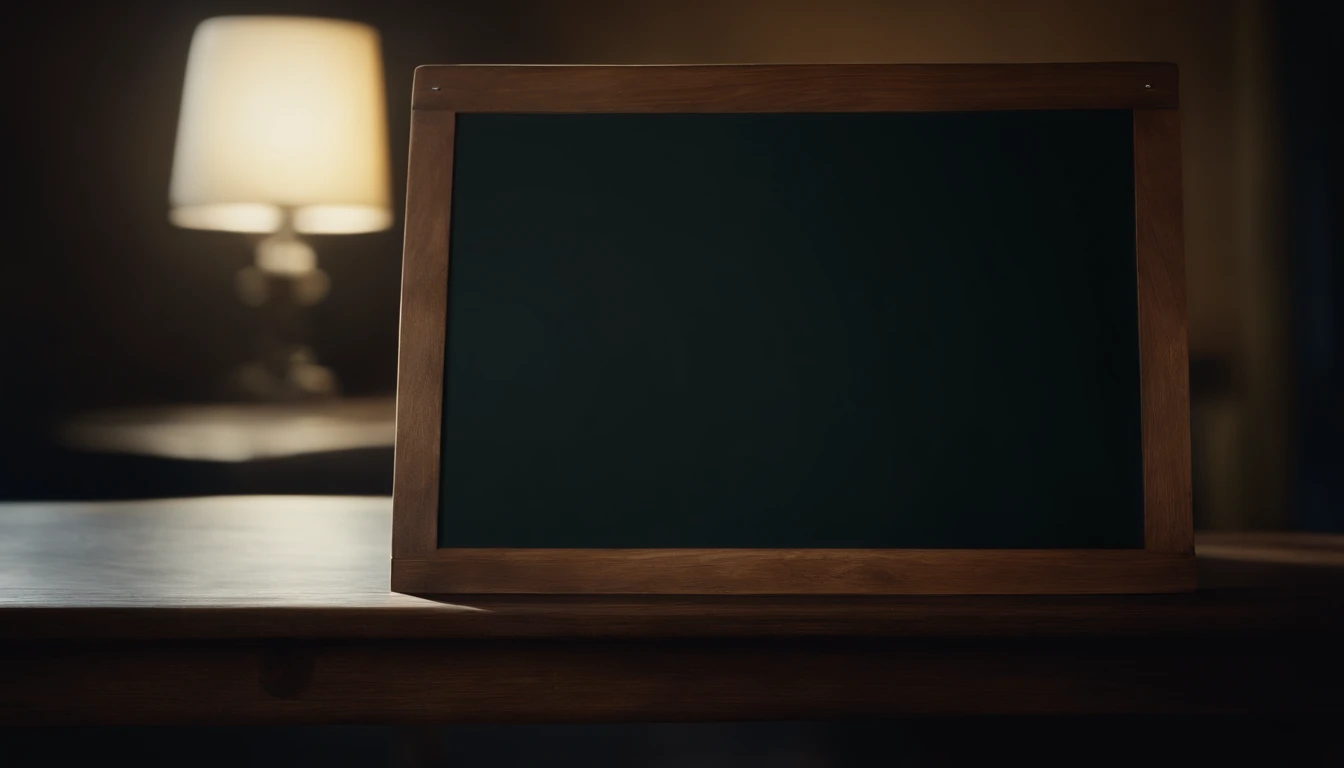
x: 707, y: 88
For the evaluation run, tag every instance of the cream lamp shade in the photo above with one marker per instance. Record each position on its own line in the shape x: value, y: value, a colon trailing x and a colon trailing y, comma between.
x: 282, y: 117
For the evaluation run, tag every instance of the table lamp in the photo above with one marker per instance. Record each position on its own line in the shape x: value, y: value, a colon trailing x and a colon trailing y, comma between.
x: 282, y: 133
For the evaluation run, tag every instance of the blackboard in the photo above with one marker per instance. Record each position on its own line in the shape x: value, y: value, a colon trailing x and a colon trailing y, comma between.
x: 823, y: 330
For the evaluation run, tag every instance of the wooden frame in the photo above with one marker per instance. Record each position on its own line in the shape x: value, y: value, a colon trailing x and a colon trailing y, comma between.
x: 1165, y: 564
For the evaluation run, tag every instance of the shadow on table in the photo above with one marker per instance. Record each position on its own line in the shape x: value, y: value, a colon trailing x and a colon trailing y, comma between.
x: 916, y: 742
x: 70, y: 475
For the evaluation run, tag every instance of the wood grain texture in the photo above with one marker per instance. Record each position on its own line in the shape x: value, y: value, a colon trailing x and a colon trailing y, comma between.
x: 275, y: 610
x: 296, y: 567
x: 1214, y: 616
x: 586, y: 681
x: 794, y: 87
x: 1163, y: 347
x: 424, y: 317
x: 793, y: 571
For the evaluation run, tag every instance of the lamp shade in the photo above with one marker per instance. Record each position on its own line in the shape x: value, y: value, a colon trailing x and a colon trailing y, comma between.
x: 282, y: 114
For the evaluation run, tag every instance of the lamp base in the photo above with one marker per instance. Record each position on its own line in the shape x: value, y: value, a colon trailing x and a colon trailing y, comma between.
x: 290, y: 373
x: 281, y: 285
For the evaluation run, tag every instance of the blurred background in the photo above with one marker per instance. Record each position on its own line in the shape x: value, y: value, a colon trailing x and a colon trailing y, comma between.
x: 120, y: 328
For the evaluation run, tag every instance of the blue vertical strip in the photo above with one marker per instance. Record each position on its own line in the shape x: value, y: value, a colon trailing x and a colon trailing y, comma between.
x: 1312, y: 132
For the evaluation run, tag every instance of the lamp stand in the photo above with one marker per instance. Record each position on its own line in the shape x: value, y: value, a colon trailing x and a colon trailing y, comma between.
x: 282, y: 283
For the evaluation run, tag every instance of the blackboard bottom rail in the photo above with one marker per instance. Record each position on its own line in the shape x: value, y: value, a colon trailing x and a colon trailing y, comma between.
x: 793, y: 571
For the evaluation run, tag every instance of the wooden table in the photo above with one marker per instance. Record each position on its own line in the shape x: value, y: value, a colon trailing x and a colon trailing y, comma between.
x: 276, y: 610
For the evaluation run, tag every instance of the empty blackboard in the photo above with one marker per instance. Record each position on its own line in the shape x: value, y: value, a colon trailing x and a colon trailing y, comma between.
x: 793, y: 329
x: 821, y: 330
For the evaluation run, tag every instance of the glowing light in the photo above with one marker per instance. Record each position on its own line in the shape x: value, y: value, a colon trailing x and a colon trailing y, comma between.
x: 282, y: 113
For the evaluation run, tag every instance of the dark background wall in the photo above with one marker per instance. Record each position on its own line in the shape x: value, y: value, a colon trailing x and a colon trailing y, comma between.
x: 106, y: 304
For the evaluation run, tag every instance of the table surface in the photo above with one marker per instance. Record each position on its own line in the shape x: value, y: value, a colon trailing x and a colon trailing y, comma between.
x: 235, y: 432
x: 276, y: 610
x: 277, y: 566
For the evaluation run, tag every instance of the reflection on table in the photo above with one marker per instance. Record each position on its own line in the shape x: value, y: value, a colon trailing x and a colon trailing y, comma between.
x: 232, y: 432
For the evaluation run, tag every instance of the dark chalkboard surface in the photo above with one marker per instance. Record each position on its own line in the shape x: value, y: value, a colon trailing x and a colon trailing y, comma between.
x: 901, y: 330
